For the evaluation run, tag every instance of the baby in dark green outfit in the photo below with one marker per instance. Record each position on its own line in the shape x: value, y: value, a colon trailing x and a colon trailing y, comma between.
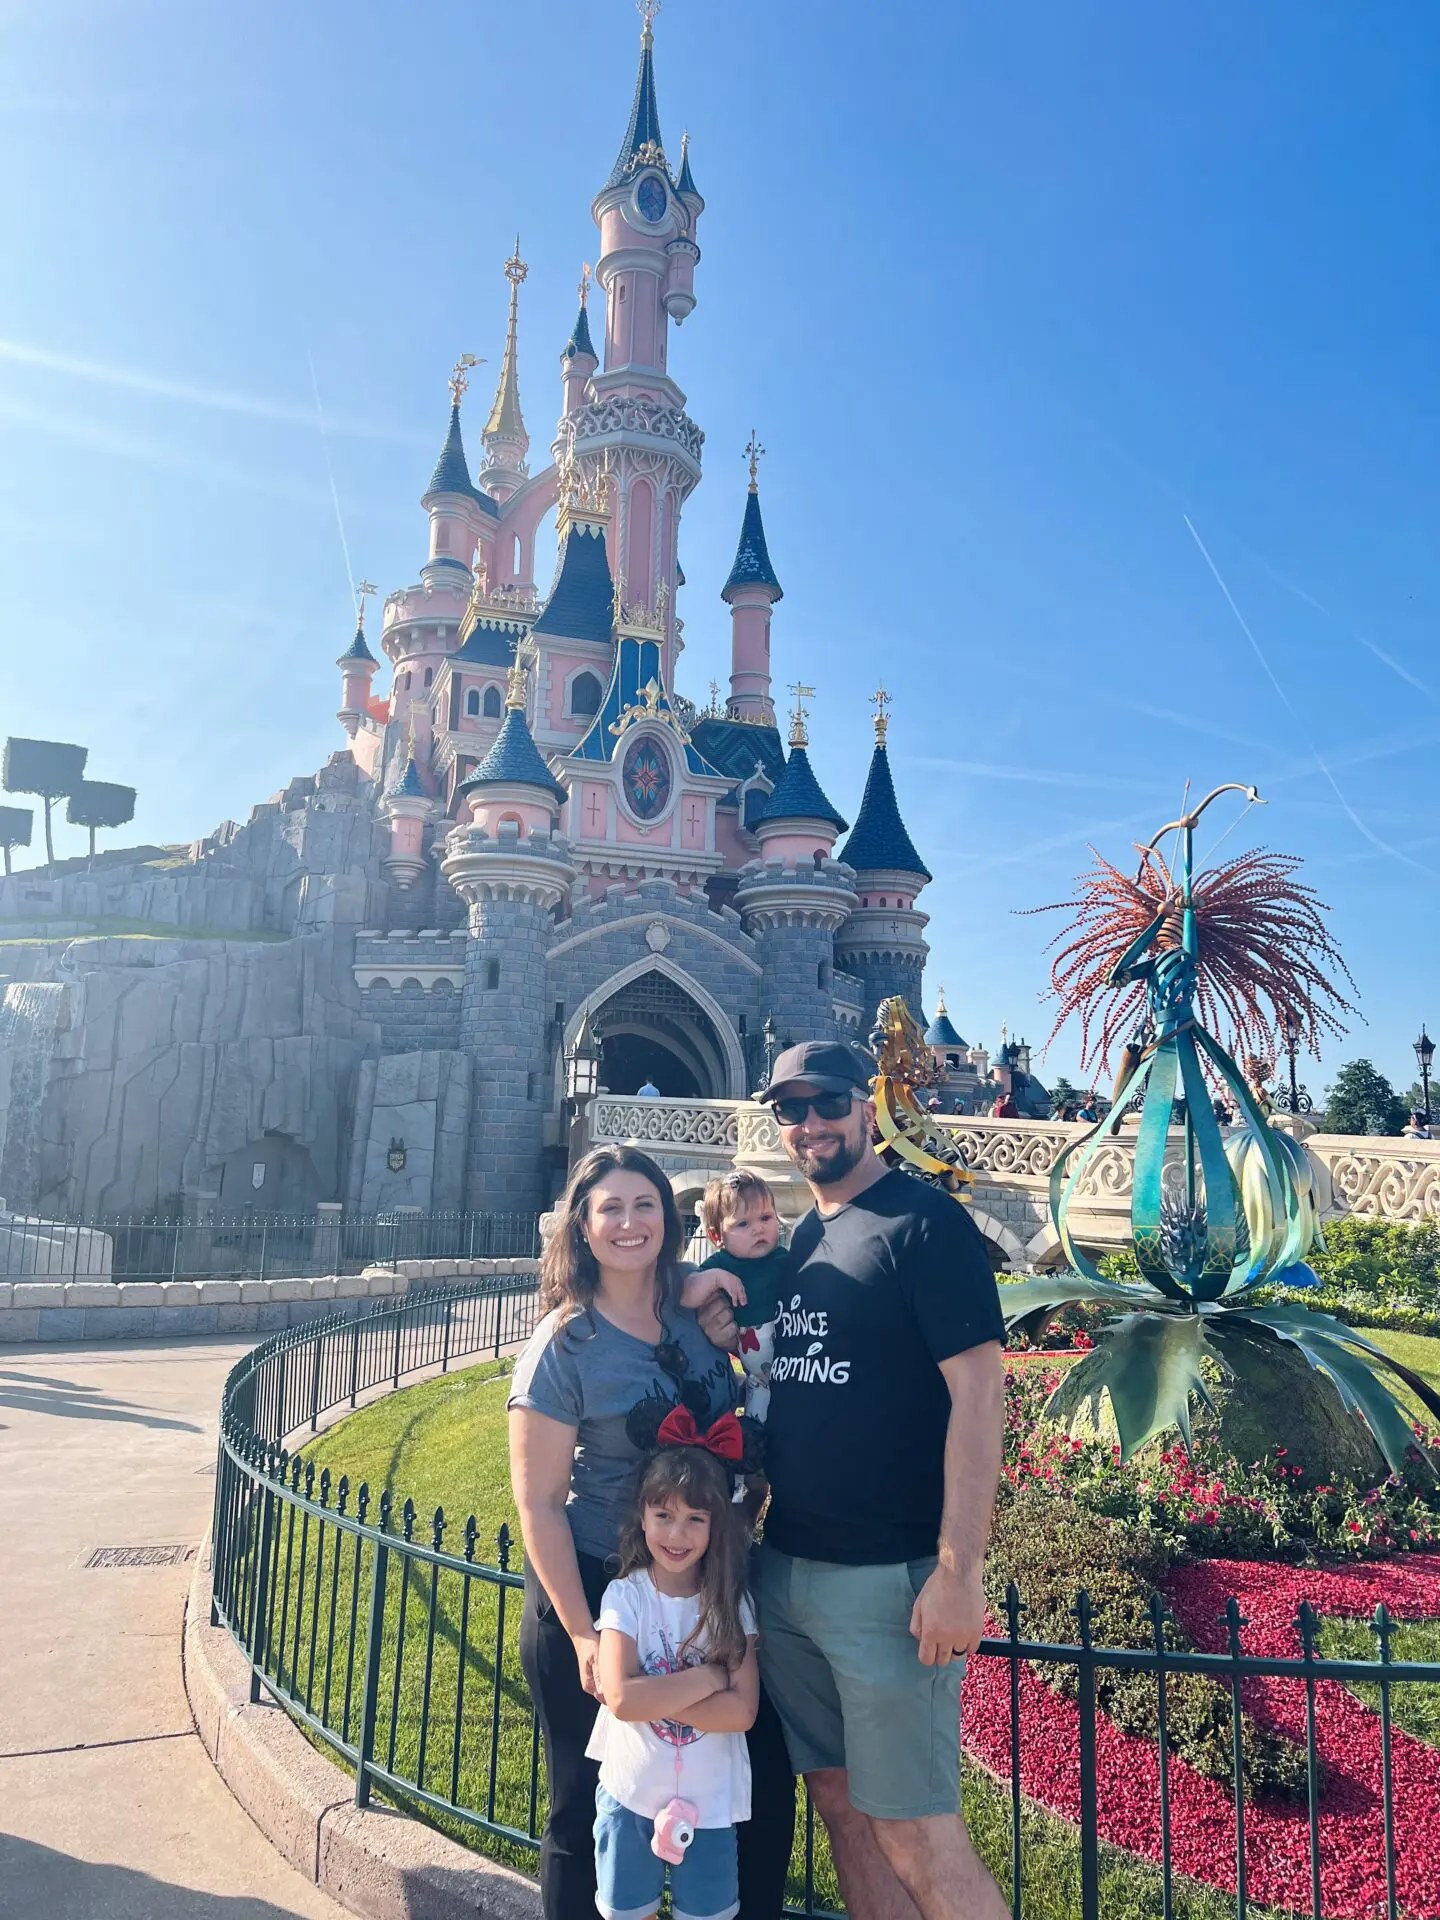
x: 739, y: 1217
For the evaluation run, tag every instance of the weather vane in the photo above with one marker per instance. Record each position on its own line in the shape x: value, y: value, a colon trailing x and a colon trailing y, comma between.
x: 798, y: 736
x: 459, y: 378
x: 584, y: 282
x: 880, y: 700
x: 362, y: 593
x: 515, y: 268
x: 754, y: 453
x: 647, y: 10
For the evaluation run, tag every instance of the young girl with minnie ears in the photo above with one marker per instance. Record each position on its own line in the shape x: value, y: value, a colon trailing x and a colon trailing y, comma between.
x: 678, y: 1678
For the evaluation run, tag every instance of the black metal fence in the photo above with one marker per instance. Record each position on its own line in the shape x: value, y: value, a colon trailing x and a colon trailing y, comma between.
x: 387, y: 1637
x: 252, y: 1245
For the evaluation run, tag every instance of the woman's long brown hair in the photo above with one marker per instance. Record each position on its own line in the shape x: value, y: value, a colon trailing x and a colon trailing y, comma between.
x: 569, y: 1273
x: 696, y: 1478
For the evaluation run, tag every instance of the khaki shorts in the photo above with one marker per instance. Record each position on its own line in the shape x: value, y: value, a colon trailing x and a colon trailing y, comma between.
x: 840, y: 1663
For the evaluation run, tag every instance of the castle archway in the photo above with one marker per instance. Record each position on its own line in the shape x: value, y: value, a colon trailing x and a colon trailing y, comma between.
x: 655, y: 1023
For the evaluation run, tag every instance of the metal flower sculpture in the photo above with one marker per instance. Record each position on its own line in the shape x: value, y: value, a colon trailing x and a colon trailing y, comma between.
x: 1213, y: 1220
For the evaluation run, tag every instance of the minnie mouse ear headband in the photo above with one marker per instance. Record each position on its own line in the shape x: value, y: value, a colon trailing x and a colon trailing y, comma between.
x: 656, y: 1425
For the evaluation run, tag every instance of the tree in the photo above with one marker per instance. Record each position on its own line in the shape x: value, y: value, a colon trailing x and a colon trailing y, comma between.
x: 1063, y: 1095
x: 46, y: 768
x: 15, y: 826
x: 1362, y: 1100
x: 100, y: 803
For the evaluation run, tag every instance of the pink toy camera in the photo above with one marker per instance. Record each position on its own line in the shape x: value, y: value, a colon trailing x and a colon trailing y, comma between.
x: 674, y: 1830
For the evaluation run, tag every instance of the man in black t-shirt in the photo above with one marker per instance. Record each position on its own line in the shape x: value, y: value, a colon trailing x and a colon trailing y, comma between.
x: 883, y: 1447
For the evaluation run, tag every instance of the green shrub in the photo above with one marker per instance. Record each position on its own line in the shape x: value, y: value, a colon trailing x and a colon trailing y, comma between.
x: 1050, y: 1547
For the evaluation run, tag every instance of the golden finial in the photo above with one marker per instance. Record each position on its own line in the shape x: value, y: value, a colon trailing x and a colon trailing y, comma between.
x: 584, y: 282
x: 798, y: 736
x: 754, y: 453
x: 362, y: 593
x: 459, y: 380
x: 647, y: 10
x: 939, y: 1001
x: 515, y: 683
x: 515, y: 268
x: 410, y: 749
x: 880, y: 700
x: 714, y: 696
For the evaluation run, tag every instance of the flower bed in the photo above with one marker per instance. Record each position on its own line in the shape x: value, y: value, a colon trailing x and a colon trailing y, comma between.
x: 1277, y: 1844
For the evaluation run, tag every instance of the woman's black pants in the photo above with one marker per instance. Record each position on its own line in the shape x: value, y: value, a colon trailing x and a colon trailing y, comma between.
x: 567, y: 1714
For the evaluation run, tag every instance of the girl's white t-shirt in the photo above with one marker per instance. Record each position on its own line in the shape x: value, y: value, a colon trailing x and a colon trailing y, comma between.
x: 638, y: 1757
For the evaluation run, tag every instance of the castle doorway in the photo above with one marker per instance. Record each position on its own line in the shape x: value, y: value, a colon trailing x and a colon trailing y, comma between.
x: 652, y: 1030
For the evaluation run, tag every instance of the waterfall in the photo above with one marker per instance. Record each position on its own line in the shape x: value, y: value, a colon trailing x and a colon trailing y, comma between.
x: 29, y: 1019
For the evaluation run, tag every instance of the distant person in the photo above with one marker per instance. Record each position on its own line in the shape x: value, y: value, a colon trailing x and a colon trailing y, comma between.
x: 1088, y: 1112
x: 1070, y: 1111
x: 934, y: 1104
x: 1005, y: 1108
x: 1223, y: 1116
x: 647, y: 1091
x: 1417, y: 1127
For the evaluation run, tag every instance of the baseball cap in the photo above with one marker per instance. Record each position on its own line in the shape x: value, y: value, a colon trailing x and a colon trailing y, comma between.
x: 830, y: 1066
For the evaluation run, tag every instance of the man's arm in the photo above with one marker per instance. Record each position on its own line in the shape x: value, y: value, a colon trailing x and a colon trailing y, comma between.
x: 949, y: 1616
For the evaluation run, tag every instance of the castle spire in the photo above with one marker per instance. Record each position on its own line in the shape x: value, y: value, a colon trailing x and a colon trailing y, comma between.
x: 452, y: 470
x: 878, y: 842
x: 751, y: 593
x: 579, y: 358
x: 506, y: 441
x: 642, y: 143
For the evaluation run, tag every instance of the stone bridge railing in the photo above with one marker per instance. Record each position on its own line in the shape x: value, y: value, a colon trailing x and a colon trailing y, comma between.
x: 1011, y: 1161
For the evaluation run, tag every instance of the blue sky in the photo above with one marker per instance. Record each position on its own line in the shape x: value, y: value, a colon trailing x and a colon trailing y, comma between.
x: 1008, y: 291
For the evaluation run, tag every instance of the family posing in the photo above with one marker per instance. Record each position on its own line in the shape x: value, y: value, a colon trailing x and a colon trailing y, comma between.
x: 682, y: 1679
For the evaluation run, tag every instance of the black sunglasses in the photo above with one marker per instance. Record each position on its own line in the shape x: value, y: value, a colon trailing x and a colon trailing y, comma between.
x: 670, y: 1358
x: 825, y: 1106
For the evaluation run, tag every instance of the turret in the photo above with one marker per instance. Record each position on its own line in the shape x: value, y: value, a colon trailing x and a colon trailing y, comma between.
x: 883, y: 941
x: 506, y: 441
x: 358, y: 667
x: 579, y: 359
x: 751, y: 592
x: 513, y: 871
x: 455, y: 508
x: 409, y: 809
x: 682, y: 252
x: 795, y: 897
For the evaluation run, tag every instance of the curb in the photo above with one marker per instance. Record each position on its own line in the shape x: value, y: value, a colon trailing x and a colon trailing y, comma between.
x: 377, y: 1863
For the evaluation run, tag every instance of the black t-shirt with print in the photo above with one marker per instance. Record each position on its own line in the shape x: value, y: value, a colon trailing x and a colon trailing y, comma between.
x: 881, y: 1292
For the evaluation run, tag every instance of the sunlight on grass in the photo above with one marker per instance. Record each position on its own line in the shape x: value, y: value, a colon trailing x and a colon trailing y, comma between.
x: 1413, y: 1707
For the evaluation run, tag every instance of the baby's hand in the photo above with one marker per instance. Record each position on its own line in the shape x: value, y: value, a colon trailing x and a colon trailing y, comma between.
x: 732, y: 1285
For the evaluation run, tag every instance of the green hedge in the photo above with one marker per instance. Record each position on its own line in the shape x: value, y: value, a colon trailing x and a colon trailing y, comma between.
x: 1050, y: 1548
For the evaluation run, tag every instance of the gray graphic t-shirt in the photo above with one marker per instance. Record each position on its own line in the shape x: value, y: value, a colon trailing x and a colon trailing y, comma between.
x: 589, y: 1374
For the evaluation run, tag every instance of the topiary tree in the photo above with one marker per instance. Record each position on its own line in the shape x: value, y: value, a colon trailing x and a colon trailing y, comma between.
x: 100, y: 803
x: 47, y: 768
x: 1362, y: 1100
x: 15, y: 827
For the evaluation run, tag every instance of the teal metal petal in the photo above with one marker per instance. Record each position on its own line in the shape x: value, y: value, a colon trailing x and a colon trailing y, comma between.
x: 1149, y: 1364
x: 1147, y: 1185
x: 1029, y: 1304
x: 1202, y: 1132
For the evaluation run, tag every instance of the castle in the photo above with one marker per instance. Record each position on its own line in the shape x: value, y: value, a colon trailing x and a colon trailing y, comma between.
x: 530, y: 830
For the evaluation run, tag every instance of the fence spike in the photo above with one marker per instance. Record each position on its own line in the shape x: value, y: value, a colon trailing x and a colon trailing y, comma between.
x: 342, y: 1493
x: 325, y: 1486
x: 362, y: 1501
x: 1084, y: 1613
x: 471, y: 1530
x: 385, y: 1505
x: 407, y: 1517
x: 309, y: 1478
x: 502, y: 1542
x: 438, y: 1528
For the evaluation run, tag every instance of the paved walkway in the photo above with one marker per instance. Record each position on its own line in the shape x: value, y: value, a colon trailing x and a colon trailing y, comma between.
x: 109, y: 1806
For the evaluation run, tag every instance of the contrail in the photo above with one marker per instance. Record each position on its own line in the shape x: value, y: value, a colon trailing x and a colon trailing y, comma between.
x: 1382, y: 845
x: 330, y: 472
x: 218, y: 399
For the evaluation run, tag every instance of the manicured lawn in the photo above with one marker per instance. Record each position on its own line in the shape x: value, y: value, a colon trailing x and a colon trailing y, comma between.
x: 1418, y: 1351
x: 443, y: 1444
x: 1415, y: 1708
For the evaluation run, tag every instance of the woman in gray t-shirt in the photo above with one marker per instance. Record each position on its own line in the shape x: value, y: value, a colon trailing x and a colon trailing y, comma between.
x: 614, y: 1333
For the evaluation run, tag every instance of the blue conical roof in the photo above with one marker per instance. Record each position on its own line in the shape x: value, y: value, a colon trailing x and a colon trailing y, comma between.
x: 880, y: 840
x: 941, y: 1031
x: 514, y: 760
x: 582, y: 601
x: 357, y: 650
x: 752, y: 557
x: 799, y: 795
x: 644, y: 127
x: 452, y: 473
x: 686, y: 183
x: 580, y: 341
x: 409, y: 781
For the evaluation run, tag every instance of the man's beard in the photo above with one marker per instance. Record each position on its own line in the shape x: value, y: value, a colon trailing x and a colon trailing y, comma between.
x: 824, y: 1171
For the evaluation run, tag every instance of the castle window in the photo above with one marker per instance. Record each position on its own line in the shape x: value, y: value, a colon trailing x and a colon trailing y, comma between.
x: 492, y: 975
x: 492, y: 703
x: 819, y: 858
x: 584, y: 695
x: 405, y: 683
x: 429, y: 675
x: 822, y: 976
x: 532, y: 1085
x: 517, y: 557
x: 882, y: 899
x: 442, y: 538
x: 472, y: 703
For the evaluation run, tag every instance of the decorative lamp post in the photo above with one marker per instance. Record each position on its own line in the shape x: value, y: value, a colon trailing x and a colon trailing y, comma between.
x: 1424, y: 1054
x: 582, y: 1081
x: 772, y: 1040
x: 1292, y: 1042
